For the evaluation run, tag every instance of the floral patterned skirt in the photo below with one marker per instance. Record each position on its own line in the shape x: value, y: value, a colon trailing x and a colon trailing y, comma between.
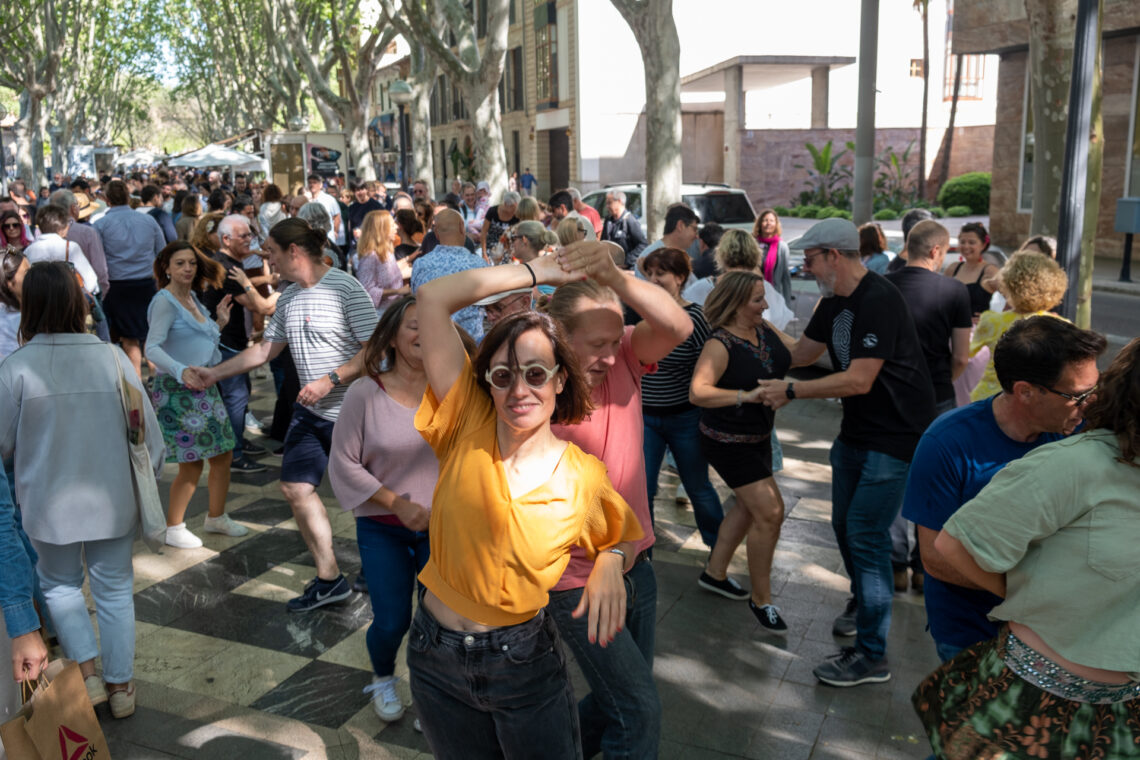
x: 975, y: 708
x: 194, y: 424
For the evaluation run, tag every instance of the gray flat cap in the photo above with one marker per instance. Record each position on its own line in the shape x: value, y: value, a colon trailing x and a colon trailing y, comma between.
x: 839, y: 234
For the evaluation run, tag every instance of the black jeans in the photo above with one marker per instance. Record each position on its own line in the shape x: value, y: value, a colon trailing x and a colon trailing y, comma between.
x: 500, y: 694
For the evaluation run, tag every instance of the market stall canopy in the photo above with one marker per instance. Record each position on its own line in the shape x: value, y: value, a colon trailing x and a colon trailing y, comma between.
x: 139, y: 157
x: 220, y: 155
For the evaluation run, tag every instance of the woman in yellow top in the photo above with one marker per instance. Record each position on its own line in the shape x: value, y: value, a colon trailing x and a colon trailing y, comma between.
x: 487, y: 670
x: 1033, y: 284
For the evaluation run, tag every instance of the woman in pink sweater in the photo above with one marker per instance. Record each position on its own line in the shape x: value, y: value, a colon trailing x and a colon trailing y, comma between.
x: 383, y: 470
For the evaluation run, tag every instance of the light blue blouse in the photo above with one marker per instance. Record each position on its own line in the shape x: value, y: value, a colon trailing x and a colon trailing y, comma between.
x: 176, y: 340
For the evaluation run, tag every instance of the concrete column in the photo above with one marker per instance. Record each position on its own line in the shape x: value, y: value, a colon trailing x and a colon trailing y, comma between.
x: 820, y: 87
x: 733, y: 123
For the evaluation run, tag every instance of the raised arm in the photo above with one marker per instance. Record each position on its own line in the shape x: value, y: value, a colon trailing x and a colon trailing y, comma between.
x: 664, y: 325
x: 438, y: 299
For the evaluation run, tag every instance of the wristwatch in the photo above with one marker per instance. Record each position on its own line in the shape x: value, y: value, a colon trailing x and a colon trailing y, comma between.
x: 790, y: 392
x: 335, y: 378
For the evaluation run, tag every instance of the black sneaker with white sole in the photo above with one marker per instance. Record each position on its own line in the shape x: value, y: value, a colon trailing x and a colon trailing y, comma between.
x: 728, y: 588
x: 769, y: 616
x: 319, y: 592
x: 246, y: 465
x: 845, y: 623
x: 850, y: 667
x: 249, y: 448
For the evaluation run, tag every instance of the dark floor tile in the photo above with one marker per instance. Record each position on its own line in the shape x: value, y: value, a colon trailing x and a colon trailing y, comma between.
x: 346, y: 551
x: 264, y: 512
x: 155, y: 734
x: 402, y: 734
x: 671, y: 536
x: 321, y: 692
x: 271, y: 474
x: 195, y: 589
x: 851, y: 737
x: 262, y: 552
x: 269, y: 625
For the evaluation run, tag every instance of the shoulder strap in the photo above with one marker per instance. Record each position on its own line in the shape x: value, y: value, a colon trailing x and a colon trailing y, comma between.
x: 956, y: 268
x: 67, y: 250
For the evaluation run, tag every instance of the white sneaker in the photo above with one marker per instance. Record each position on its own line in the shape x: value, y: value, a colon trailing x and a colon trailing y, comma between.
x: 252, y: 424
x: 180, y: 537
x: 385, y: 701
x: 225, y: 526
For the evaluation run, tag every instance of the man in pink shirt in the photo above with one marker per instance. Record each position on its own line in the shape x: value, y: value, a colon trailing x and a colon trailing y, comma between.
x: 621, y: 717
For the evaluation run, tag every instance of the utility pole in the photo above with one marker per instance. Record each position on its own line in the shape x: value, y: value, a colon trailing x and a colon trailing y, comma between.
x: 865, y: 126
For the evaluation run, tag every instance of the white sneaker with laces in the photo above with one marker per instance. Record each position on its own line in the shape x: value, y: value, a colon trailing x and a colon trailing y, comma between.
x: 180, y: 537
x: 385, y: 701
x: 225, y: 526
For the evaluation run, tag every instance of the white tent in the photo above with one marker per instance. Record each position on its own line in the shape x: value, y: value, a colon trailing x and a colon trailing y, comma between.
x: 139, y: 157
x: 220, y: 155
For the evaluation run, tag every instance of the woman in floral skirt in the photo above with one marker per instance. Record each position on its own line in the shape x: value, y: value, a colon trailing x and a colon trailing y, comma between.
x: 1055, y: 535
x: 194, y: 424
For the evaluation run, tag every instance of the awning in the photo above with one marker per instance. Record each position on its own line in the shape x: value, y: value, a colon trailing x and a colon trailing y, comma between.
x: 219, y: 155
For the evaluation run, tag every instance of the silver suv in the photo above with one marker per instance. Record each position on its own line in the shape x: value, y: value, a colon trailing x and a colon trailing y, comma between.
x: 727, y: 206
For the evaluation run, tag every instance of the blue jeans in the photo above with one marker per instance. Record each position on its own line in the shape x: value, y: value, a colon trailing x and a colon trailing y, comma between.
x: 112, y: 585
x: 235, y: 395
x: 866, y: 495
x: 679, y: 432
x: 946, y: 652
x: 390, y: 556
x: 504, y: 693
x: 621, y: 716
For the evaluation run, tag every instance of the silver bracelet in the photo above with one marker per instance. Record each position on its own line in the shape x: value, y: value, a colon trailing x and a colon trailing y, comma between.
x: 618, y: 552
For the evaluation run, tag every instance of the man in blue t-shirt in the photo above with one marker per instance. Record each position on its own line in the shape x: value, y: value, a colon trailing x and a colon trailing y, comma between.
x: 1047, y: 370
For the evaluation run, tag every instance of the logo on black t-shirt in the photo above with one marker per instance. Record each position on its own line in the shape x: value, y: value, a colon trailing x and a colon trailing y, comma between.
x: 841, y: 337
x: 870, y: 340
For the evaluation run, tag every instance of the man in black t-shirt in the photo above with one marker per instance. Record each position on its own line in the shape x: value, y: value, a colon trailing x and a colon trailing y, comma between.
x: 358, y: 210
x: 235, y: 235
x: 888, y: 400
x: 940, y: 307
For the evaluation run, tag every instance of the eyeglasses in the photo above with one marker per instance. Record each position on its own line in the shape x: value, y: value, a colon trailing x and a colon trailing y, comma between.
x: 12, y: 225
x: 500, y: 306
x: 534, y: 375
x: 809, y: 257
x: 1080, y: 399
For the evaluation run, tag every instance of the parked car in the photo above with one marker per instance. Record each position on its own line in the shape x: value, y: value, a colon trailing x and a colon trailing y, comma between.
x: 727, y: 206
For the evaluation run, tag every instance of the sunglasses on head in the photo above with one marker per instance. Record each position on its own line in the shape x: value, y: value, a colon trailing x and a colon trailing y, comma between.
x: 535, y: 375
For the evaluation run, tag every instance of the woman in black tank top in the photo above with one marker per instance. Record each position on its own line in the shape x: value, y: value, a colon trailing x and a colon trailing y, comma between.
x: 973, y: 270
x: 735, y: 431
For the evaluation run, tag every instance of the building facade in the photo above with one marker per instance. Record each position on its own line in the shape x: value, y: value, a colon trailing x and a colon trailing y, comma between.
x: 1000, y: 27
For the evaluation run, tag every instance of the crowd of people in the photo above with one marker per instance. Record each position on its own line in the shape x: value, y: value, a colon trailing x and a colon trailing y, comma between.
x: 493, y: 390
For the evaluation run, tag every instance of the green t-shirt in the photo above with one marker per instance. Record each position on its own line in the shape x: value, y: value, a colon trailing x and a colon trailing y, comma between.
x: 1063, y: 524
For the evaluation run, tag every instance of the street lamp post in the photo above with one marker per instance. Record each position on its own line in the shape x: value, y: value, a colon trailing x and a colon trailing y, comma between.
x: 401, y: 94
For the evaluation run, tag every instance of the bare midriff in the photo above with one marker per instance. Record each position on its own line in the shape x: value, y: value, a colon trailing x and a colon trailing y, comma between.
x: 450, y: 619
x: 1031, y: 639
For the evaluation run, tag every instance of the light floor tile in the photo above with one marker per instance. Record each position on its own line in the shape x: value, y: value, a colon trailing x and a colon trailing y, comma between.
x: 169, y: 653
x: 241, y: 673
x: 278, y: 584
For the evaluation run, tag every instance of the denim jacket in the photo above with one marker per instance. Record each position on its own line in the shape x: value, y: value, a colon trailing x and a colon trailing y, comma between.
x: 17, y: 571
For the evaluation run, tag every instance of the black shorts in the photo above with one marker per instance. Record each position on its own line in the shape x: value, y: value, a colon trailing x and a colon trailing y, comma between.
x: 739, y: 463
x: 126, y: 304
x: 307, y: 445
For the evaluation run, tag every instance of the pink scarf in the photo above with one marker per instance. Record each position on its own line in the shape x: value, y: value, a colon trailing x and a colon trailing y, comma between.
x: 770, y: 257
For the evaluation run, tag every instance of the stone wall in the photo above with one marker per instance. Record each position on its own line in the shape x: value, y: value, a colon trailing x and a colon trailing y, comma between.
x: 991, y: 26
x: 769, y: 158
x: 1009, y: 226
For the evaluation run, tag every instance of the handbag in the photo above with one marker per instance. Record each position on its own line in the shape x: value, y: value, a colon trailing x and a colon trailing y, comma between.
x: 94, y: 309
x: 152, y: 517
x: 57, y: 720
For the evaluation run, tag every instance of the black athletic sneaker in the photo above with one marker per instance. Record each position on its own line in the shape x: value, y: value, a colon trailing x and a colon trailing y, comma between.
x: 845, y: 623
x: 727, y: 588
x: 249, y: 448
x: 851, y: 668
x: 360, y: 584
x: 246, y: 465
x: 318, y: 593
x: 769, y: 616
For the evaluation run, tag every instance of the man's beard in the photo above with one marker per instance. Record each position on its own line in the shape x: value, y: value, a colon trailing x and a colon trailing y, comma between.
x: 826, y: 289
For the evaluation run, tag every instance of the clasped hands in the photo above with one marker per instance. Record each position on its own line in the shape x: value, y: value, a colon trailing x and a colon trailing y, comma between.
x: 577, y: 261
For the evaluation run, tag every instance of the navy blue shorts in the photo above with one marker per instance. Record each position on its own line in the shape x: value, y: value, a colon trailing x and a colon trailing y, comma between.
x: 307, y: 445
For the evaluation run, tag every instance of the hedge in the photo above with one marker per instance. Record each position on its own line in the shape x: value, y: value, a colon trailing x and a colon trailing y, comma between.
x: 971, y: 190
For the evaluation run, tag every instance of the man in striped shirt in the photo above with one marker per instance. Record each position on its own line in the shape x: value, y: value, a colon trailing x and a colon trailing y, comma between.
x: 325, y: 317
